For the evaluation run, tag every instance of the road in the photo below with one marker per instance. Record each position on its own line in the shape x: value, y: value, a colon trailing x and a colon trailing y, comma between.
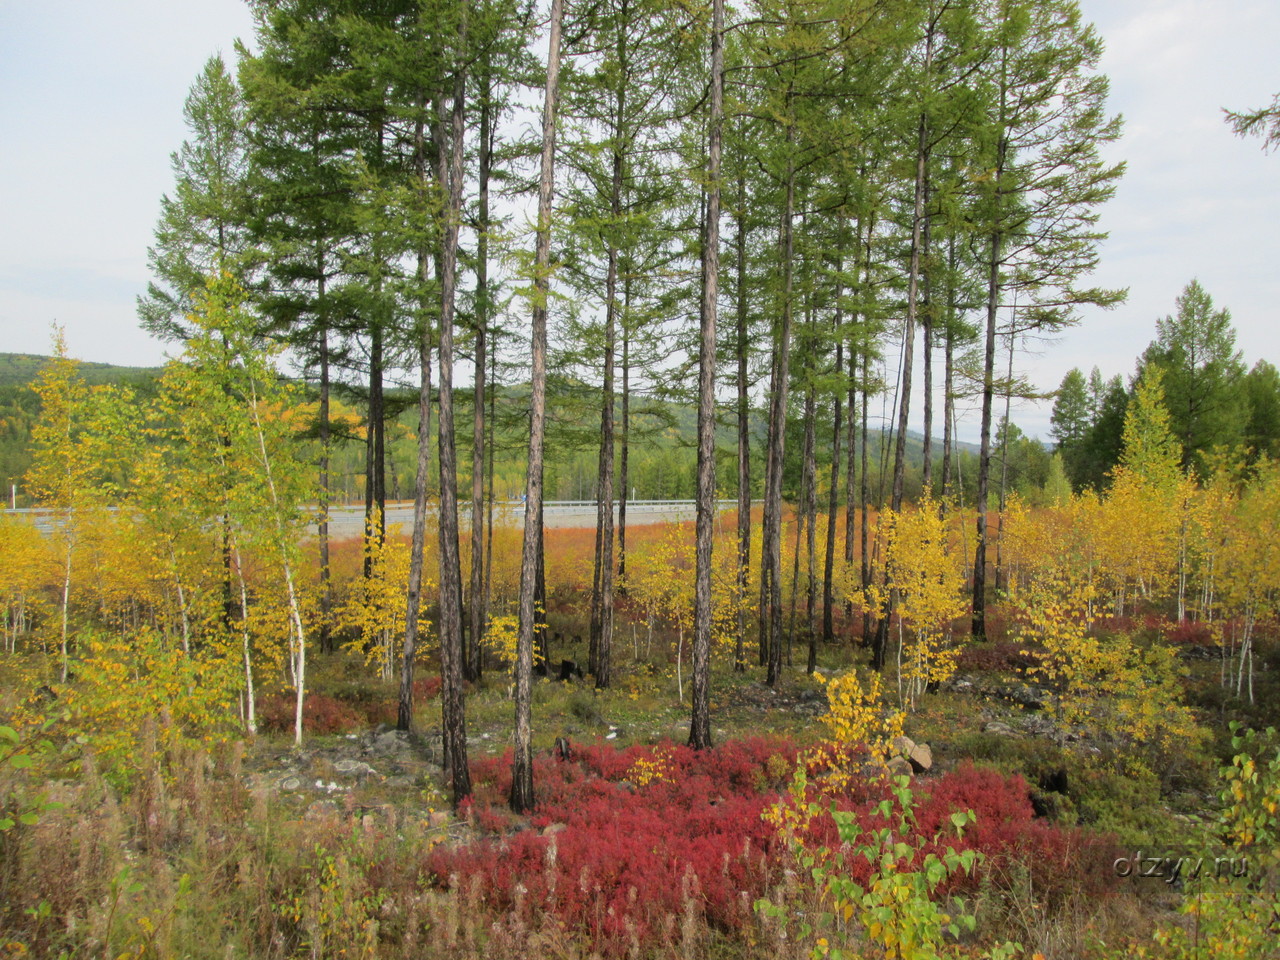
x: 348, y: 521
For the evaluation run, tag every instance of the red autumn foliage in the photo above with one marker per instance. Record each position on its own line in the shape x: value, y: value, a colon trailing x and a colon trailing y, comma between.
x: 628, y: 856
x: 1193, y: 633
x: 624, y: 861
x: 320, y: 714
x: 386, y: 710
x: 997, y: 656
x: 1058, y: 861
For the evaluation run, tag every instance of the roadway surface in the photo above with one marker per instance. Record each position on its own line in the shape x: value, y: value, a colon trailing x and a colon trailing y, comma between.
x: 348, y: 521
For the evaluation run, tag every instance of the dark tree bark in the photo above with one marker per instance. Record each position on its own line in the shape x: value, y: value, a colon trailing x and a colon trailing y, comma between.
x: 744, y: 432
x: 1004, y: 467
x: 778, y: 421
x: 489, y: 502
x: 602, y: 582
x: 926, y: 322
x: 404, y: 714
x: 375, y: 486
x: 764, y: 612
x: 452, y: 693
x: 864, y: 495
x: 909, y: 335
x: 808, y: 520
x: 325, y: 433
x: 995, y: 247
x: 478, y: 607
x: 908, y: 352
x: 948, y: 372
x: 828, y: 570
x: 522, y: 795
x: 979, y: 625
x: 700, y: 722
x: 624, y: 433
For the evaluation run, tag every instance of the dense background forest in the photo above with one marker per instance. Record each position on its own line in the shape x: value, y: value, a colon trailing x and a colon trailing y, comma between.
x: 484, y: 255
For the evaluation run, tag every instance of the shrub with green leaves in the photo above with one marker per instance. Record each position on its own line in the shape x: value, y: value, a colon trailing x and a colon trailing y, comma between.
x: 895, y: 913
x: 1234, y: 914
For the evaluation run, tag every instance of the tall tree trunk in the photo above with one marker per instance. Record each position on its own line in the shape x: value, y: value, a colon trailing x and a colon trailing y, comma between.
x: 522, y: 796
x: 996, y: 241
x: 700, y: 722
x: 744, y: 432
x: 904, y: 392
x: 478, y: 606
x: 979, y: 625
x: 864, y: 494
x: 828, y: 570
x: 452, y: 692
x: 948, y: 374
x: 926, y: 322
x: 808, y: 518
x: 325, y: 435
x: 624, y: 474
x: 375, y: 491
x: 489, y: 502
x: 602, y: 584
x: 909, y: 335
x: 1004, y: 463
x: 404, y: 713
x: 778, y: 418
x: 851, y: 474
x: 764, y: 612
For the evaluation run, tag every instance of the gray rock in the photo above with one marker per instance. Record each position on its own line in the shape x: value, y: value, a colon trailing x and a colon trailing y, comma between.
x: 290, y: 783
x: 1000, y: 729
x: 1039, y: 725
x: 1023, y: 695
x: 393, y: 744
x: 353, y: 768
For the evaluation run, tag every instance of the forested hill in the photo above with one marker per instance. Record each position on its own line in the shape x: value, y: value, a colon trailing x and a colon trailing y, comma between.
x: 19, y: 405
x: 663, y: 457
x: 19, y: 369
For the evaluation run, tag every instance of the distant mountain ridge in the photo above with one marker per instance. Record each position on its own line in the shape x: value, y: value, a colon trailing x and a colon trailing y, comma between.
x: 19, y: 369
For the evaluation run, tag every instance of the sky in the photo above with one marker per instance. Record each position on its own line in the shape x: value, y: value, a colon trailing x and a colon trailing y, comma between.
x: 91, y: 101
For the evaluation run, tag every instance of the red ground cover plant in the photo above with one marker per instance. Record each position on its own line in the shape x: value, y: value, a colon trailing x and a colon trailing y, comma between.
x: 625, y: 842
x: 996, y: 656
x: 1053, y: 861
x: 1056, y: 861
x: 642, y: 835
x: 320, y: 714
x: 1194, y: 633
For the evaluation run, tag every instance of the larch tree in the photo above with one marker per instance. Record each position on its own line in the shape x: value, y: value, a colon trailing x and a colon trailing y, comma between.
x: 522, y: 795
x: 449, y: 140
x: 621, y: 111
x: 1203, y: 374
x: 700, y: 724
x: 1035, y: 203
x: 1263, y: 122
x: 202, y: 226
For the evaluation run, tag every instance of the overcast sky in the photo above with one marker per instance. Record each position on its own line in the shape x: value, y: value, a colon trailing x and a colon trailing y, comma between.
x: 91, y: 107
